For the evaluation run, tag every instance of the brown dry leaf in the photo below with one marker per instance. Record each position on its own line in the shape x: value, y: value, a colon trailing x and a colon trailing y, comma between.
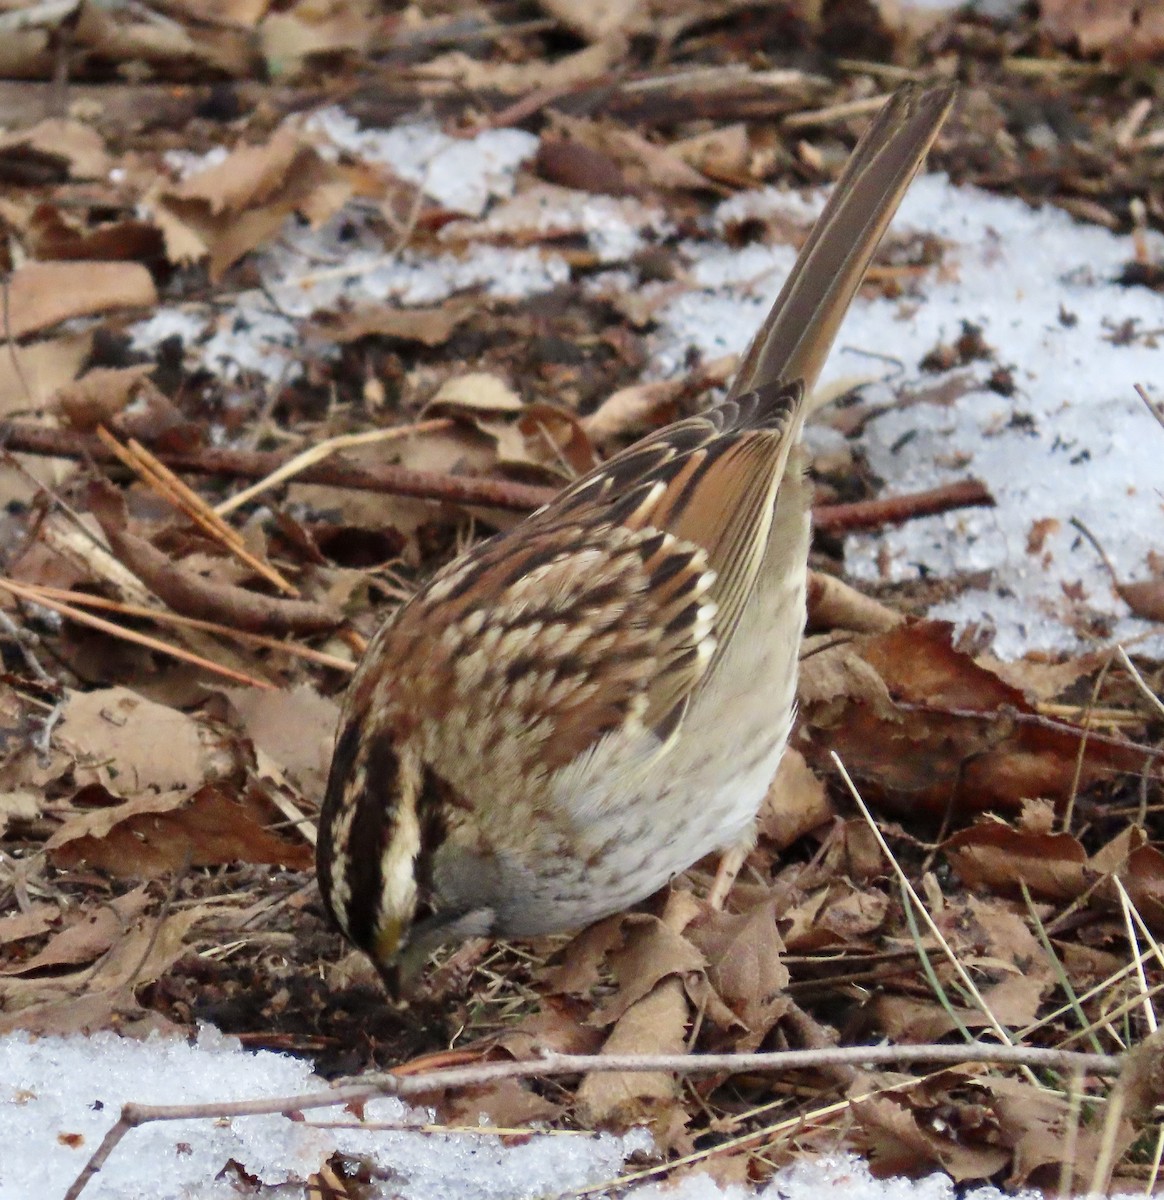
x: 54, y: 233
x: 657, y: 166
x: 249, y: 177
x: 1144, y: 879
x: 290, y: 37
x: 1056, y: 866
x: 42, y: 294
x: 996, y: 930
x: 1034, y: 1120
x: 570, y: 164
x: 153, y: 835
x: 992, y: 939
x: 555, y: 437
x: 104, y: 998
x: 744, y: 964
x: 836, y: 915
x: 554, y: 1026
x: 296, y: 728
x: 850, y: 850
x: 902, y: 1138
x: 541, y: 434
x: 509, y: 1104
x: 242, y: 13
x: 235, y: 206
x: 651, y: 953
x: 1145, y: 599
x: 636, y: 163
x: 30, y: 374
x: 902, y: 1019
x: 633, y: 410
x: 937, y: 730
x: 594, y: 19
x: 111, y: 35
x: 796, y: 802
x: 113, y: 735
x: 77, y: 150
x: 37, y: 919
x: 991, y: 854
x: 88, y: 936
x: 1015, y: 1002
x: 99, y: 396
x: 834, y: 677
x: 428, y: 326
x: 462, y: 449
x: 723, y: 154
x: 1124, y: 31
x: 1042, y: 680
x: 475, y: 395
x: 656, y: 1024
x: 584, y: 958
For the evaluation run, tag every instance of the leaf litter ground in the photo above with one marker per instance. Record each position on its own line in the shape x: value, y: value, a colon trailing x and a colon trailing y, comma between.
x: 519, y: 301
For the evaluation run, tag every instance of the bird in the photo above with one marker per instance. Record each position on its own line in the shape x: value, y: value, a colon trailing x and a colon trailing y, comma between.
x: 576, y: 710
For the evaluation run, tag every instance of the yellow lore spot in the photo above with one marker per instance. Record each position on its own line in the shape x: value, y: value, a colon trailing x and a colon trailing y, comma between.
x: 387, y: 941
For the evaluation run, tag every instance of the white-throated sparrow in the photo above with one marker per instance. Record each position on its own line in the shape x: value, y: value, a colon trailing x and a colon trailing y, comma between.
x: 573, y: 712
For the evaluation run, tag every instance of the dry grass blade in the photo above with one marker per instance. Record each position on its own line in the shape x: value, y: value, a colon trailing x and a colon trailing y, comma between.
x: 130, y: 635
x: 1080, y: 999
x: 1141, y: 978
x: 315, y: 454
x: 1139, y: 681
x: 1157, y: 410
x: 835, y: 112
x: 167, y: 485
x: 1085, y: 727
x: 1073, y: 1002
x: 903, y: 879
x: 165, y: 617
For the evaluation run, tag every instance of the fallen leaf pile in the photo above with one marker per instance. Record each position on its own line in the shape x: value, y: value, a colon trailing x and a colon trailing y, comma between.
x: 197, y: 544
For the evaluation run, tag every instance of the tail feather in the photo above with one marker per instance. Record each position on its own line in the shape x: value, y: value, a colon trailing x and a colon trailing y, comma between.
x: 795, y: 339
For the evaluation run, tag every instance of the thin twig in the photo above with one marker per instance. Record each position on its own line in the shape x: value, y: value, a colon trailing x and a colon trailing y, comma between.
x: 27, y: 438
x: 894, y: 510
x: 1028, y: 718
x: 552, y: 1065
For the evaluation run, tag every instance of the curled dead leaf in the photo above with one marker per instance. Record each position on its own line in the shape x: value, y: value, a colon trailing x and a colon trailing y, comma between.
x: 990, y: 854
x: 152, y: 835
x: 922, y: 726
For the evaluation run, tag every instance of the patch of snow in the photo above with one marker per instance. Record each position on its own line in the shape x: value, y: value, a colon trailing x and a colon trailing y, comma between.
x: 461, y: 174
x: 59, y: 1096
x: 1073, y: 441
x: 185, y: 163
